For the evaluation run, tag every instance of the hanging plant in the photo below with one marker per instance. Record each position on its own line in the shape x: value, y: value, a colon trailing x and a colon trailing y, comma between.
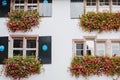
x: 19, y: 67
x: 89, y: 65
x: 20, y: 20
x: 100, y: 21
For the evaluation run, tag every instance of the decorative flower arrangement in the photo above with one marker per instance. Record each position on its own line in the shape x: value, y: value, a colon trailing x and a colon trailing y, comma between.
x: 19, y: 67
x: 100, y: 21
x: 88, y: 65
x: 20, y: 20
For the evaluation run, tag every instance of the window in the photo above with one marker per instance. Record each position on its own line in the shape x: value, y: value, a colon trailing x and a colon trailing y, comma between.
x: 25, y: 4
x: 116, y: 2
x: 116, y: 48
x: 104, y: 6
x: 77, y: 8
x: 91, y: 2
x: 19, y: 4
x: 43, y: 6
x: 79, y: 49
x: 100, y: 48
x: 24, y: 46
x: 115, y: 5
x: 32, y: 4
x: 82, y: 47
x: 104, y: 2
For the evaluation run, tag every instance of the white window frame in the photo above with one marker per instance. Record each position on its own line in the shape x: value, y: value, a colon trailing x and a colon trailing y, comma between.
x: 25, y: 38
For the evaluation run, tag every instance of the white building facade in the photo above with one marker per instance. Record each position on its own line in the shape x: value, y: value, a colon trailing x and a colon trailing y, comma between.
x: 61, y: 23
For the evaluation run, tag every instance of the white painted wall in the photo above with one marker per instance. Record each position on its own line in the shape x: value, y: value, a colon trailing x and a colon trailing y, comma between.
x: 62, y: 29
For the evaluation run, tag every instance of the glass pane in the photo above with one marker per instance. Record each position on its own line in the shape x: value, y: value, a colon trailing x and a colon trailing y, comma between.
x: 79, y: 52
x: 100, y: 52
x: 115, y: 46
x: 19, y: 1
x: 90, y: 47
x: 18, y: 43
x: 79, y: 46
x: 31, y: 43
x: 32, y: 1
x: 17, y: 53
x: 88, y: 1
x: 100, y: 49
x: 89, y: 52
x: 19, y: 7
x: 76, y: 0
x: 32, y: 7
x: 31, y: 53
x: 49, y: 1
x: 114, y: 0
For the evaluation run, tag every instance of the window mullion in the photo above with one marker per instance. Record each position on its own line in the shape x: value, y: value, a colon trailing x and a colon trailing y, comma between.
x: 11, y: 47
x: 110, y: 5
x: 25, y: 5
x: 24, y: 47
x: 97, y: 5
x: 37, y: 47
x: 85, y: 1
x: 84, y: 48
x: 38, y: 4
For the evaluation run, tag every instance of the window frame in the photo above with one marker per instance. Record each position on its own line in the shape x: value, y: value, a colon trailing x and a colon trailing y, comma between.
x: 12, y: 37
x: 77, y: 41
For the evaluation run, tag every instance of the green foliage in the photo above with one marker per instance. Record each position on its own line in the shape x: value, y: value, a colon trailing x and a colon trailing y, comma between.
x: 89, y: 65
x: 19, y: 67
x: 100, y: 21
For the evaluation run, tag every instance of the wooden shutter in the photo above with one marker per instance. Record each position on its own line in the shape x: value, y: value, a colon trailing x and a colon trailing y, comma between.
x: 45, y: 55
x: 4, y: 54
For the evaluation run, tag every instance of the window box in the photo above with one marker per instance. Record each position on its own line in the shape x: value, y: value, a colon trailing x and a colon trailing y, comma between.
x: 20, y: 20
x: 100, y: 22
x: 89, y: 65
x: 19, y: 67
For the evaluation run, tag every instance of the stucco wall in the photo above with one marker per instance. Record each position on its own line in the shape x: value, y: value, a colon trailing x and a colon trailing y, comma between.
x: 62, y: 29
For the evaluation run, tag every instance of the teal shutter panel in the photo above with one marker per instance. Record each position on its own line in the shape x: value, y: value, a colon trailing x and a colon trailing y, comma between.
x: 3, y: 52
x: 4, y: 7
x: 44, y: 53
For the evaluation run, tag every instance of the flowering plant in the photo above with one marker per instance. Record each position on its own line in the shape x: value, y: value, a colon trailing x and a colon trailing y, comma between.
x: 100, y: 21
x: 20, y: 20
x: 19, y: 67
x: 89, y: 65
